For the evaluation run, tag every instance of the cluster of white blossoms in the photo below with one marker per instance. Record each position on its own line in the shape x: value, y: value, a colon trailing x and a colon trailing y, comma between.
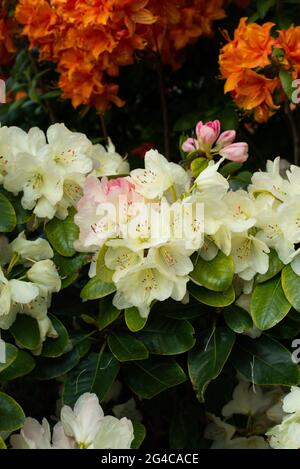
x: 28, y: 277
x: 49, y: 170
x: 84, y: 427
x: 260, y: 410
x: 286, y: 435
x: 145, y: 226
x: 149, y: 256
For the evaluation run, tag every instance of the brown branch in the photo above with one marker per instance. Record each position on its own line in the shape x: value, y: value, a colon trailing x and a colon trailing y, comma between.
x: 103, y: 128
x: 293, y: 121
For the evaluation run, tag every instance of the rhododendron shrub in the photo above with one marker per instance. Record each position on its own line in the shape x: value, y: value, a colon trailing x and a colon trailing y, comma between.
x: 149, y: 225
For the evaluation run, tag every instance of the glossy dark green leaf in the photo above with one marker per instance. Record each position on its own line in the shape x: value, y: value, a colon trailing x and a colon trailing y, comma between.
x: 11, y: 414
x: 139, y: 432
x: 133, y: 319
x: 264, y: 361
x: 107, y: 313
x: 238, y: 319
x: 49, y: 368
x: 291, y: 286
x: 56, y: 347
x: 62, y: 234
x: 8, y: 217
x: 26, y: 331
x: 207, y: 358
x: 96, y: 373
x: 275, y: 266
x: 216, y: 275
x: 269, y: 304
x: 210, y: 298
x: 11, y: 353
x: 96, y: 289
x: 163, y: 336
x: 150, y: 377
x: 22, y: 365
x: 125, y: 347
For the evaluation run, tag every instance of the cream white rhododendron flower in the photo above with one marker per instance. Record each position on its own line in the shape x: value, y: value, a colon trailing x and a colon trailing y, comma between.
x: 159, y: 176
x: 247, y: 400
x: 50, y: 170
x: 84, y: 427
x: 286, y: 435
x: 31, y: 294
x: 106, y: 161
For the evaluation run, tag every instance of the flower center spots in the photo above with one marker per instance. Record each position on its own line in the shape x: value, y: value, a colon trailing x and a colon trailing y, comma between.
x: 36, y: 181
x: 168, y: 258
x: 3, y: 164
x: 73, y: 191
x: 65, y: 157
x: 149, y: 281
x: 123, y: 261
x: 243, y: 250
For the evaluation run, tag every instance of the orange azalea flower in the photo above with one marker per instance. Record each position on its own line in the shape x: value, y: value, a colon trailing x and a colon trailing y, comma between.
x: 289, y: 41
x: 7, y: 48
x: 90, y: 40
x: 240, y: 61
x: 250, y: 48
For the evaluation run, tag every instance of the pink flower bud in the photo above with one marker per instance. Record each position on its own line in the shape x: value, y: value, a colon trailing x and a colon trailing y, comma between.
x: 226, y: 138
x: 190, y: 145
x: 208, y: 133
x: 237, y: 152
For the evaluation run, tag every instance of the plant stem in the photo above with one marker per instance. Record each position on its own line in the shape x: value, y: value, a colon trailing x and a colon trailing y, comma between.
x: 292, y: 118
x: 103, y: 128
x: 45, y: 103
x: 164, y: 108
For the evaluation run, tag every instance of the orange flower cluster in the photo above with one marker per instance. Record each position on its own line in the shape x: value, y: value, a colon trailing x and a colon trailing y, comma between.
x: 250, y: 65
x: 180, y: 23
x: 90, y: 40
x: 7, y: 48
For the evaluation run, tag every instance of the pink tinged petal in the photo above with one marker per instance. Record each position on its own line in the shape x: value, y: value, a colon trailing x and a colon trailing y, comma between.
x: 199, y: 127
x: 190, y: 145
x: 226, y: 138
x: 237, y: 152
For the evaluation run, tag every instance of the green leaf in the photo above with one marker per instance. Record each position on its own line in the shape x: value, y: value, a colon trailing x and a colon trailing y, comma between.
x: 139, y: 432
x: 102, y: 271
x: 269, y: 304
x: 22, y: 365
x: 96, y: 373
x: 49, y: 368
x: 163, y: 336
x: 286, y: 82
x: 264, y: 361
x: 56, y: 347
x: 11, y: 353
x: 215, y: 275
x: 210, y: 298
x: 230, y: 168
x: 186, y: 427
x: 238, y: 319
x: 286, y: 329
x: 2, y: 444
x: 8, y: 217
x: 96, y: 289
x: 198, y: 165
x: 107, y: 313
x: 11, y: 414
x: 263, y: 6
x: 26, y: 331
x: 126, y: 348
x: 133, y: 319
x: 291, y: 286
x: 62, y: 234
x: 207, y: 359
x: 275, y: 266
x: 150, y: 377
